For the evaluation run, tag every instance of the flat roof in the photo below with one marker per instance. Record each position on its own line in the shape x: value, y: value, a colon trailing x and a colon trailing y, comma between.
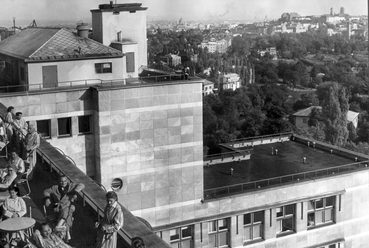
x: 263, y: 165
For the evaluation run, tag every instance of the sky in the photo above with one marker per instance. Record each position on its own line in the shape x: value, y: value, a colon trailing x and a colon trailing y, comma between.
x: 248, y: 10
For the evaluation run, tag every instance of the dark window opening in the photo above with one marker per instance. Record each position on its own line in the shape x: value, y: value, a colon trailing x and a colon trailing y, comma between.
x: 65, y: 126
x: 103, y: 68
x: 84, y: 124
x: 43, y: 127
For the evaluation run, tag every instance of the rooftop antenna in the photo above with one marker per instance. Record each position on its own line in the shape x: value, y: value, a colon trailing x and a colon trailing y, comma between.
x: 14, y: 24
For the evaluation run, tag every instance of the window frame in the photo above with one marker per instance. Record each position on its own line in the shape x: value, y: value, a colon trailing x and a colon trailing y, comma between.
x: 286, y: 216
x: 180, y: 240
x: 39, y: 129
x: 312, y: 224
x: 69, y: 121
x: 252, y: 224
x: 219, y: 231
x: 89, y: 124
x: 99, y: 67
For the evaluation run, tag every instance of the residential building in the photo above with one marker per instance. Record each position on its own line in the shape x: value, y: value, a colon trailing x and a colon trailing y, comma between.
x: 230, y: 81
x: 207, y: 87
x: 302, y: 116
x: 171, y: 60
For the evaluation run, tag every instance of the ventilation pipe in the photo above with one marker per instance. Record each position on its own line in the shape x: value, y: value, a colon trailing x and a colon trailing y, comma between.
x: 82, y: 30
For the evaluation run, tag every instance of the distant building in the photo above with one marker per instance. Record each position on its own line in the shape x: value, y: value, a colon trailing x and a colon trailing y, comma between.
x: 287, y: 17
x: 215, y: 45
x: 302, y: 116
x: 171, y: 59
x: 231, y: 81
x: 207, y: 87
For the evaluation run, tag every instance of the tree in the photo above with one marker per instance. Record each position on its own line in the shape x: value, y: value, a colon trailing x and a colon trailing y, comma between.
x: 334, y: 109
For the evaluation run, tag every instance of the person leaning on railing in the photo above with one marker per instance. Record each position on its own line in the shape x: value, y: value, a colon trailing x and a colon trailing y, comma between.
x: 32, y: 142
x: 110, y: 223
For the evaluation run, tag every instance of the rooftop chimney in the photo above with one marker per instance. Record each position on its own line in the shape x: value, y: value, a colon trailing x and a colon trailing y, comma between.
x: 82, y: 30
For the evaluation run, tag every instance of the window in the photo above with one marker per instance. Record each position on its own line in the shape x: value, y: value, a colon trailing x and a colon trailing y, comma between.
x: 84, y: 124
x: 130, y: 62
x: 219, y: 233
x: 286, y: 218
x: 103, y: 67
x: 253, y: 226
x: 43, y: 127
x: 305, y: 120
x: 181, y: 237
x: 321, y: 211
x: 65, y: 126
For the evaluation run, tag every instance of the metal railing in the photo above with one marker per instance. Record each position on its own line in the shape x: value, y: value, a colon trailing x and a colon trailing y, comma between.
x: 90, y: 82
x: 227, y: 155
x: 275, y: 181
x: 262, y: 137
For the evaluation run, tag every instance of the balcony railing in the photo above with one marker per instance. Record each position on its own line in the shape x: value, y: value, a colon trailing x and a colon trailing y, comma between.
x: 275, y: 181
x: 91, y: 82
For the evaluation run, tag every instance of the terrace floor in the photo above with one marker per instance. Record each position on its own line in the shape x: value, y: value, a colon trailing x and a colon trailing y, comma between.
x: 83, y: 232
x: 263, y: 165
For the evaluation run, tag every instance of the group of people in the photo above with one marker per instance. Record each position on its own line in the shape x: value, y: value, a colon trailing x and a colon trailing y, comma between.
x: 21, y: 139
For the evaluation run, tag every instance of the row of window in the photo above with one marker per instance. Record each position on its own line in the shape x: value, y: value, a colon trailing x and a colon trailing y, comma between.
x: 320, y: 211
x: 65, y: 126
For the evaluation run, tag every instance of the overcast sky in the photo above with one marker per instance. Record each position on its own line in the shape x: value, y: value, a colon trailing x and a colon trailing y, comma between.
x: 174, y: 9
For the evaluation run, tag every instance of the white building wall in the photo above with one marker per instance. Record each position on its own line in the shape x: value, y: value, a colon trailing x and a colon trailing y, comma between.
x: 132, y: 25
x: 75, y: 70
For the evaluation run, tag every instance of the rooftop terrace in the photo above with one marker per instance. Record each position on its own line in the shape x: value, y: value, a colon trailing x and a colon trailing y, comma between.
x: 286, y: 166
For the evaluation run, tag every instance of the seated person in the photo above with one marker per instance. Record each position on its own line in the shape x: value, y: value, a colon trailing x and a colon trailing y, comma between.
x: 14, y: 206
x: 62, y: 196
x: 16, y: 162
x: 47, y: 239
x: 7, y: 177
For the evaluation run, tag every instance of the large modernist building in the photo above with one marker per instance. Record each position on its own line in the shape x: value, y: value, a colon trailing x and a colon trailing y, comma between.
x: 143, y: 139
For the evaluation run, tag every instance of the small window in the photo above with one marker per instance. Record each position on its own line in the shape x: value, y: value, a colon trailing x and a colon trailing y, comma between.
x: 84, y: 124
x: 181, y: 237
x: 305, y: 120
x: 65, y: 126
x: 103, y: 68
x: 253, y: 226
x: 286, y: 218
x: 321, y: 211
x: 43, y: 127
x: 219, y: 233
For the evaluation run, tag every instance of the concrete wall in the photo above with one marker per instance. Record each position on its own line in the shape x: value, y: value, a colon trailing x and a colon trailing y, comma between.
x: 51, y: 106
x: 75, y: 70
x: 152, y: 140
x: 351, y: 220
x: 105, y: 27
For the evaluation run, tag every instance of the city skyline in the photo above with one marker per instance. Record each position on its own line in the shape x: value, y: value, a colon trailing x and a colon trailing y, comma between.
x: 247, y: 10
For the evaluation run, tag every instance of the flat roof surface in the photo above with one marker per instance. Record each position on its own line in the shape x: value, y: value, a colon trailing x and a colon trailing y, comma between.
x: 263, y: 165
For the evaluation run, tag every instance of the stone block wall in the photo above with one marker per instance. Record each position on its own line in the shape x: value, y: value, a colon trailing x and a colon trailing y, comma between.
x: 151, y: 138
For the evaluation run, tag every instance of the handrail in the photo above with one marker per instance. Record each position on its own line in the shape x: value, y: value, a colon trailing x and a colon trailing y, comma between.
x: 261, y: 137
x: 227, y: 154
x: 274, y: 181
x: 89, y: 82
